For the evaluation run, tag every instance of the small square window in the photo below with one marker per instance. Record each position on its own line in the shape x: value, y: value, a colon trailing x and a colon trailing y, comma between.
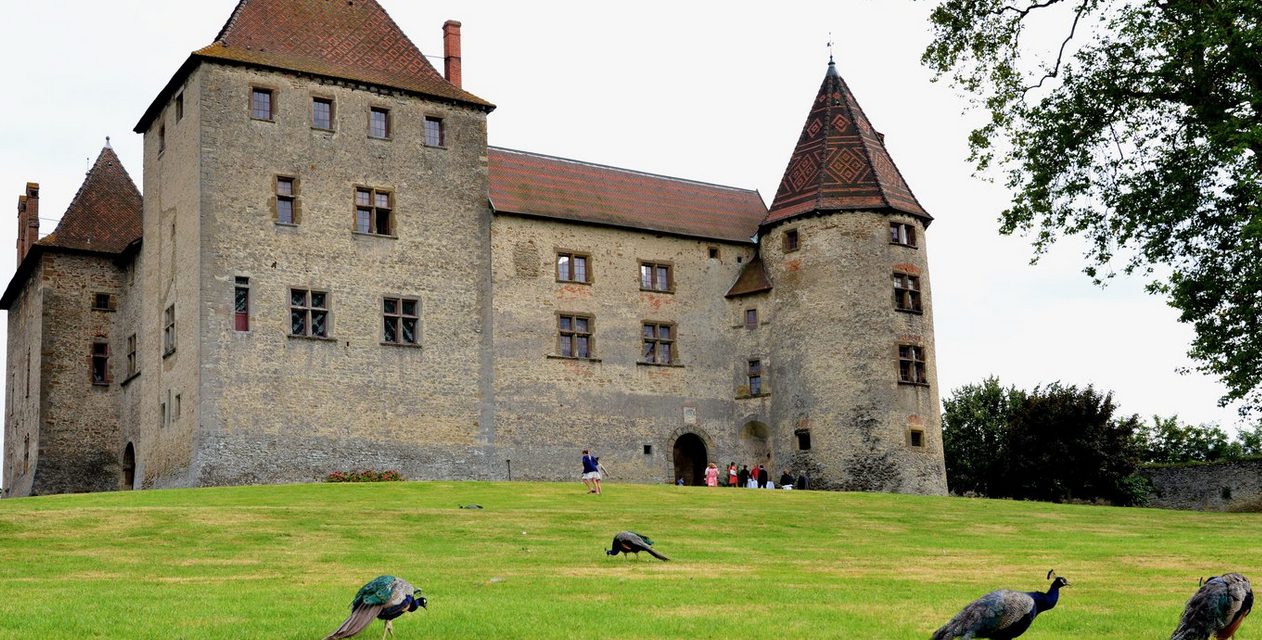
x: 916, y: 438
x: 434, y: 132
x: 573, y: 267
x: 400, y: 320
x: 262, y: 105
x: 574, y: 336
x: 656, y: 277
x: 791, y: 241
x: 903, y: 234
x: 911, y: 365
x: 102, y: 302
x: 308, y: 313
x: 804, y: 439
x: 374, y: 211
x: 379, y: 122
x: 907, y: 293
x: 648, y: 449
x: 713, y: 253
x: 658, y: 344
x: 322, y: 113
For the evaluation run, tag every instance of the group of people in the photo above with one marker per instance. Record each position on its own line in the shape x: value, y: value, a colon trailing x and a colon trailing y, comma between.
x: 756, y: 478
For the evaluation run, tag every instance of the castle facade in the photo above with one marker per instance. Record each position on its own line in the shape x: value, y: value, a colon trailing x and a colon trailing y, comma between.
x: 330, y: 269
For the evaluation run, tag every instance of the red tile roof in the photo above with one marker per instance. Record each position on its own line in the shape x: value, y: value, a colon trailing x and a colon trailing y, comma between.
x: 538, y: 185
x: 840, y: 162
x: 105, y: 214
x: 333, y: 38
x: 753, y: 279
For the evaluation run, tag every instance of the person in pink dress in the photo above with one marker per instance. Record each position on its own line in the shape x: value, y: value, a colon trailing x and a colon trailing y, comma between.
x: 712, y: 475
x: 731, y: 474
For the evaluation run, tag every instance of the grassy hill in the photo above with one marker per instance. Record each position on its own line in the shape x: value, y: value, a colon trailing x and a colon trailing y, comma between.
x: 284, y: 562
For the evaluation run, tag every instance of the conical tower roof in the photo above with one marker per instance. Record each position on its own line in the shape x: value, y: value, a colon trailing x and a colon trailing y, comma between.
x: 105, y: 214
x: 347, y: 40
x: 840, y: 162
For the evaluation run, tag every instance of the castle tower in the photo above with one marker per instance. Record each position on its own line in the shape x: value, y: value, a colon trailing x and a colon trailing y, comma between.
x: 68, y: 324
x: 316, y: 240
x: 852, y: 349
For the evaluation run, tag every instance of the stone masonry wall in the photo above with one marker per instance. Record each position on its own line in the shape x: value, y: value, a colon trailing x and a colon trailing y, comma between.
x: 1207, y: 487
x: 23, y: 382
x: 549, y: 408
x: 835, y: 346
x: 276, y: 408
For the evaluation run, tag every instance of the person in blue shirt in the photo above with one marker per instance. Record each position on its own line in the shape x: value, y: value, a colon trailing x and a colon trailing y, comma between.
x: 591, y: 472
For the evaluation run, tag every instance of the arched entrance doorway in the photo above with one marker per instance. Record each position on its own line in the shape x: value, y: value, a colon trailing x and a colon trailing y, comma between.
x: 129, y: 468
x: 756, y: 442
x: 690, y: 459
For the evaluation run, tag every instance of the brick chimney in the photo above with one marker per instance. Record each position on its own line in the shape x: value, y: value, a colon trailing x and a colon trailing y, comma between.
x: 28, y: 219
x: 451, y: 52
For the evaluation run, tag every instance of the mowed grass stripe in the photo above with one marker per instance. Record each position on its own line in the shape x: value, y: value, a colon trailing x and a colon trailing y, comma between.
x: 284, y: 561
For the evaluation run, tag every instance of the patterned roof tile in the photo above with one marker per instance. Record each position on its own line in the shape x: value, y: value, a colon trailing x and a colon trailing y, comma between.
x: 840, y: 162
x: 533, y: 184
x: 105, y: 214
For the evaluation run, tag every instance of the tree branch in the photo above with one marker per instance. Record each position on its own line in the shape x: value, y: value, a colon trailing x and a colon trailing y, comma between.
x: 1060, y: 54
x: 1022, y: 13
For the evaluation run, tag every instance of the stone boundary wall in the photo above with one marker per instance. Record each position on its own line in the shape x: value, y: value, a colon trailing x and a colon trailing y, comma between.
x: 1206, y: 487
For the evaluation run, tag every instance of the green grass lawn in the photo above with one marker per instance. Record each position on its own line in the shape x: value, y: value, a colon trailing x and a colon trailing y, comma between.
x: 284, y: 562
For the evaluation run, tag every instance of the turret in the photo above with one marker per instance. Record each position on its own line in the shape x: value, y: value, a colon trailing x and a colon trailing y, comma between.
x: 843, y: 245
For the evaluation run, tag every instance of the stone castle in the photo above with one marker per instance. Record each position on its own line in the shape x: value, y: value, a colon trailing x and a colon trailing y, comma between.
x: 330, y: 269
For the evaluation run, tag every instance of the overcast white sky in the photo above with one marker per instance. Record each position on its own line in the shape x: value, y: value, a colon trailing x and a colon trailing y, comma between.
x: 698, y: 90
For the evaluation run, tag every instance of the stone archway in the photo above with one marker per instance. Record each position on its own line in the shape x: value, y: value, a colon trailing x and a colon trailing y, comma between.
x: 755, y: 438
x: 129, y: 467
x: 690, y: 456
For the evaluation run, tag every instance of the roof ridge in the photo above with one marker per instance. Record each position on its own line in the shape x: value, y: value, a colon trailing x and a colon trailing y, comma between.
x: 623, y: 169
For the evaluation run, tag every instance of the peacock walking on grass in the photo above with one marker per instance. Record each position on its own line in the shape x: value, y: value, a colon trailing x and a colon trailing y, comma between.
x: 631, y: 542
x: 387, y: 598
x: 1216, y: 609
x: 1002, y: 614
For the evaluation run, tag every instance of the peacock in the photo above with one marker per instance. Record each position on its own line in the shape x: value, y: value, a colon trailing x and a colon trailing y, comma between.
x: 387, y: 598
x: 631, y: 542
x: 1216, y: 609
x: 1002, y: 614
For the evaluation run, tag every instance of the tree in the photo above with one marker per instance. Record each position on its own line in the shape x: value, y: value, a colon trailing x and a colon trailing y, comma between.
x: 1141, y: 132
x: 1064, y: 444
x: 974, y: 429
x: 1168, y: 441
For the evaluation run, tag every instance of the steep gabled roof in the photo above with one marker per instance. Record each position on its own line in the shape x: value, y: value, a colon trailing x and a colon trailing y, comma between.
x: 344, y: 39
x: 840, y: 162
x: 105, y: 214
x: 753, y: 279
x: 532, y: 184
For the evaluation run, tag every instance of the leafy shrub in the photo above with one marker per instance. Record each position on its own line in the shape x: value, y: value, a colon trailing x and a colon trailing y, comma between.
x: 365, y: 475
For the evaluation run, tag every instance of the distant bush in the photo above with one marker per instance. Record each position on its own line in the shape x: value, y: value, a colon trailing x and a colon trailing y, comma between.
x: 364, y: 475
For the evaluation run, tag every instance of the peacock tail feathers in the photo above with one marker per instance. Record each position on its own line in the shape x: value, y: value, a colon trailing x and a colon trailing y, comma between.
x: 376, y: 592
x: 647, y: 540
x: 991, y: 612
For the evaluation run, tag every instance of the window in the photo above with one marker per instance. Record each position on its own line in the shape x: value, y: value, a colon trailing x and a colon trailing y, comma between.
x: 433, y: 131
x: 911, y: 364
x: 574, y: 336
x: 261, y: 107
x: 754, y: 373
x: 791, y: 242
x: 175, y: 407
x: 322, y: 113
x: 659, y: 343
x: 751, y: 318
x: 26, y: 453
x: 648, y: 449
x: 241, y: 304
x: 655, y: 277
x: 286, y: 200
x: 902, y: 233
x: 804, y: 439
x: 308, y: 313
x: 374, y: 211
x: 162, y: 138
x: 400, y: 317
x: 713, y: 253
x: 179, y: 107
x: 916, y: 438
x: 131, y: 355
x: 379, y: 122
x: 168, y: 331
x: 572, y: 267
x: 907, y: 292
x: 102, y: 302
x: 162, y: 407
x: 100, y: 362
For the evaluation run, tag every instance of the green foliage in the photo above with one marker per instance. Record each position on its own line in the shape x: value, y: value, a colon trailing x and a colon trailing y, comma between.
x: 1166, y: 440
x: 283, y: 562
x: 1142, y: 134
x: 365, y: 475
x: 974, y: 428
